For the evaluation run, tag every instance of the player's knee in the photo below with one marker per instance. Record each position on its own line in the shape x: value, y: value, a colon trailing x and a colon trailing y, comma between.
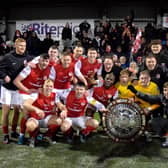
x: 58, y: 121
x: 92, y: 122
x: 65, y: 126
x: 31, y: 125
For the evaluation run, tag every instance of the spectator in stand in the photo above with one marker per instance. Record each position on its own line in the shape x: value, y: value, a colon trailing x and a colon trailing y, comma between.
x: 126, y: 39
x: 133, y: 69
x: 46, y: 43
x: 109, y: 67
x: 86, y: 41
x: 96, y: 43
x: 160, y: 52
x: 84, y: 26
x: 149, y: 32
x: 67, y: 36
x: 119, y: 51
x: 123, y: 62
x: 108, y: 49
x: 17, y: 34
x: 104, y: 42
x: 33, y: 44
x: 25, y: 35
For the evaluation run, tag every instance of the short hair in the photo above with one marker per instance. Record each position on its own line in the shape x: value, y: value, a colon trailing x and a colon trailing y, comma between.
x: 44, y: 56
x: 165, y: 85
x: 145, y: 72
x: 66, y: 53
x: 19, y: 40
x: 155, y: 42
x: 80, y: 84
x: 108, y: 57
x: 150, y: 55
x: 125, y: 71
x: 92, y: 49
x: 48, y: 81
x: 54, y: 47
x: 78, y: 45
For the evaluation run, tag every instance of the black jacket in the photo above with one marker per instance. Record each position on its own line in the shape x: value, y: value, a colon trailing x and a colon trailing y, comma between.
x: 159, y: 99
x: 11, y: 65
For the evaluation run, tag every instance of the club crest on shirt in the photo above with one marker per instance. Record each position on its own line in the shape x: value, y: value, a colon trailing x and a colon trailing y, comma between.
x: 45, y: 77
x: 109, y: 96
x: 82, y: 104
x: 70, y: 74
x: 52, y: 103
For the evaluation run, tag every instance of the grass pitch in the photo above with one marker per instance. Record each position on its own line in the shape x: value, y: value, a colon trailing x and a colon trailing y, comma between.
x: 98, y: 152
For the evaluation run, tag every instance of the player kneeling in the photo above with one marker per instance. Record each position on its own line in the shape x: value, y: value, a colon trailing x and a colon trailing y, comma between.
x: 76, y: 102
x: 42, y: 110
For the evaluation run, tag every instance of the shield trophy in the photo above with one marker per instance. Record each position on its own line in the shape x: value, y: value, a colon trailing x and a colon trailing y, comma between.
x: 124, y: 121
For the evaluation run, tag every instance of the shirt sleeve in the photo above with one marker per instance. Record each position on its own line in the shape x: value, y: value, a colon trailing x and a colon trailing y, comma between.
x: 95, y: 103
x: 99, y: 71
x: 34, y: 96
x: 115, y: 95
x: 62, y: 94
x: 77, y: 68
x: 57, y: 98
x: 52, y: 75
x: 25, y: 72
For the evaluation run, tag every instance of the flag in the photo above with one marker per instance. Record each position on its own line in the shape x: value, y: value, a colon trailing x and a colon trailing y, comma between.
x: 137, y: 42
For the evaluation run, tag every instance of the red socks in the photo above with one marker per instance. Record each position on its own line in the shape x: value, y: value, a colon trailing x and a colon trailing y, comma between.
x: 88, y: 130
x: 5, y: 129
x: 14, y: 126
x: 51, y: 130
x: 23, y: 125
x: 34, y: 133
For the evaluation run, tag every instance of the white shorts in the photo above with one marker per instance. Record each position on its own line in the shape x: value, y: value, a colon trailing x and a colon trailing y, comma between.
x: 62, y: 91
x: 9, y: 97
x: 42, y: 123
x: 23, y: 97
x: 79, y: 122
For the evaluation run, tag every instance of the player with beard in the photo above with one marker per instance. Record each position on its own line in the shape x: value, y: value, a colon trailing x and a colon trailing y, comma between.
x: 29, y: 81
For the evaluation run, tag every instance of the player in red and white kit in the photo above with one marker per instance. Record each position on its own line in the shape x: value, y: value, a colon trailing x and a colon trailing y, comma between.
x: 29, y: 81
x: 76, y: 103
x: 43, y: 114
x: 63, y: 73
x: 77, y: 53
x: 104, y: 93
x: 90, y: 67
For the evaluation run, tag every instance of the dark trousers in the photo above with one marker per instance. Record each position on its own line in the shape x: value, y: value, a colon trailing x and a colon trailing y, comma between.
x: 159, y: 125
